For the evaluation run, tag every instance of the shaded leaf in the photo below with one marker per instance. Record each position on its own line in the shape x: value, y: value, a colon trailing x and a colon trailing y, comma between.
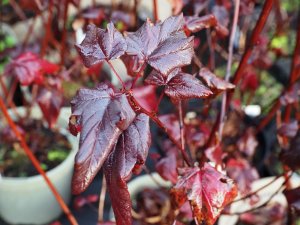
x: 163, y: 45
x: 146, y: 97
x: 171, y: 123
x: 291, y: 96
x: 291, y: 157
x: 103, y: 116
x: 208, y: 191
x: 288, y: 129
x: 293, y: 199
x: 81, y: 201
x: 250, y: 80
x: 50, y: 101
x: 215, y: 154
x: 100, y: 45
x: 248, y: 143
x: 179, y: 85
x: 195, y: 23
x: 242, y: 173
x: 128, y: 156
x: 167, y: 168
x: 29, y: 68
x: 213, y: 82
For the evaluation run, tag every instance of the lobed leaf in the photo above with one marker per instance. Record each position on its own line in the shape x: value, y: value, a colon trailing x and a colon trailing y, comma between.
x: 50, y: 101
x: 163, y: 45
x: 100, y: 45
x: 179, y: 85
x: 208, y: 191
x: 103, y: 116
x: 213, y: 82
x: 128, y: 156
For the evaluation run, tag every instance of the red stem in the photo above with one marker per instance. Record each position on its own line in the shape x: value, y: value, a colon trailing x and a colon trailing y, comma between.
x: 159, y: 100
x: 254, y: 39
x: 155, y: 10
x: 64, y: 33
x: 36, y: 164
x: 244, y: 61
x: 294, y: 76
x: 48, y: 29
x: 229, y: 63
x: 116, y: 73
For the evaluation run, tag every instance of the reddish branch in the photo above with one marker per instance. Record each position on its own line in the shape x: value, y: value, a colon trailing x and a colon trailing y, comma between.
x: 155, y: 10
x: 64, y: 33
x: 229, y: 63
x: 36, y: 164
x: 48, y: 28
x: 294, y: 76
x: 254, y: 40
x: 244, y: 61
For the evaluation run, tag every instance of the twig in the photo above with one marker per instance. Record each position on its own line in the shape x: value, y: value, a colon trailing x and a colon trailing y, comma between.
x: 102, y: 200
x: 229, y: 64
x: 155, y: 10
x: 36, y: 164
x: 64, y: 32
x: 263, y: 204
x: 238, y: 74
x: 294, y: 77
x: 116, y: 73
x: 257, y: 190
x: 181, y: 126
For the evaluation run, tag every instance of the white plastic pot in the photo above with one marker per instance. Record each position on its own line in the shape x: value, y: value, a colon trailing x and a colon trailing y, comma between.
x: 29, y: 200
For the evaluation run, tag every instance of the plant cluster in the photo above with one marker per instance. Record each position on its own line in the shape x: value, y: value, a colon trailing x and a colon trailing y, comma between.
x: 192, y: 76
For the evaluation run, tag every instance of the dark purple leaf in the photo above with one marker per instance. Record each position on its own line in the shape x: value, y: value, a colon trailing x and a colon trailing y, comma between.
x: 213, y: 82
x: 103, y: 116
x: 146, y: 97
x: 195, y: 23
x: 50, y: 101
x: 129, y: 154
x: 100, y: 45
x: 208, y: 191
x: 163, y: 45
x: 292, y: 96
x: 291, y: 157
x: 288, y: 129
x: 293, y: 199
x: 248, y: 143
x: 167, y: 168
x: 241, y: 171
x: 132, y: 64
x: 171, y: 123
x: 179, y: 85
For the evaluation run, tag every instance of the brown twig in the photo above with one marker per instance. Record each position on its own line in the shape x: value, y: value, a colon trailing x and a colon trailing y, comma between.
x: 229, y: 64
x: 155, y: 10
x: 263, y: 204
